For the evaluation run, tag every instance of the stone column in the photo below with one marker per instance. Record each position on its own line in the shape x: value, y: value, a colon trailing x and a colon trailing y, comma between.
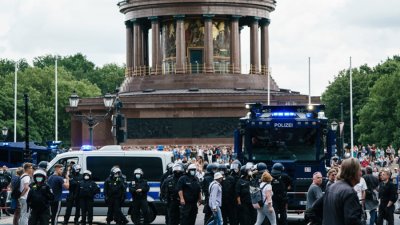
x: 208, y: 44
x: 136, y: 54
x: 254, y: 47
x: 145, y: 49
x: 235, y: 45
x: 129, y: 48
x: 180, y: 44
x: 139, y: 49
x: 155, y: 54
x: 264, y: 46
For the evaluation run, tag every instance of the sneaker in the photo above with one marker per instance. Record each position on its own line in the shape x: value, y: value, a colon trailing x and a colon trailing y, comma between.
x: 397, y: 211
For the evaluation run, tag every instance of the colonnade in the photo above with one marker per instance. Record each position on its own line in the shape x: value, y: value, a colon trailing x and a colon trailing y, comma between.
x: 137, y: 59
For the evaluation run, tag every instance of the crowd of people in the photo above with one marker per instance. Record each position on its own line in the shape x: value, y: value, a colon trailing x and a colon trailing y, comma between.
x: 231, y: 193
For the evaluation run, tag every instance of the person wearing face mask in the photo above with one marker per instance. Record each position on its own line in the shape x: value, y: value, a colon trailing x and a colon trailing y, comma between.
x: 228, y: 196
x: 139, y: 189
x: 189, y: 191
x: 171, y: 195
x: 114, y: 196
x: 86, y: 191
x: 72, y: 199
x: 39, y: 198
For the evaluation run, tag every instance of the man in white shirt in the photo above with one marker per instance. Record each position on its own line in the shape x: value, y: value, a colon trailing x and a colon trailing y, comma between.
x: 24, y: 189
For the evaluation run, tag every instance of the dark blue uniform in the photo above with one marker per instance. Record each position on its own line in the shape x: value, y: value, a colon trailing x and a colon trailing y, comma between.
x: 190, y: 187
x: 139, y: 199
x: 114, y: 194
x: 39, y: 198
x: 171, y: 196
x: 72, y: 199
x: 87, y: 189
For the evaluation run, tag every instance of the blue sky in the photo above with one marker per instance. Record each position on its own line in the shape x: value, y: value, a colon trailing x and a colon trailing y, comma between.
x: 327, y: 31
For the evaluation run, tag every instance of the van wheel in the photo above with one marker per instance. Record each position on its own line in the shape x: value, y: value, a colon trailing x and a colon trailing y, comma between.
x: 152, y: 214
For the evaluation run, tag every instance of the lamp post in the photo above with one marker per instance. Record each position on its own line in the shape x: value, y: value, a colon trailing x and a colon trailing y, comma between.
x: 334, y: 126
x: 91, y: 119
x: 4, y: 132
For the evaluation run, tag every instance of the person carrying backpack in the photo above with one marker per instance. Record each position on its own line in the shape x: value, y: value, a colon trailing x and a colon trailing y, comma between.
x: 86, y: 191
x: 39, y: 198
x: 266, y: 209
x: 15, y: 184
x: 281, y: 183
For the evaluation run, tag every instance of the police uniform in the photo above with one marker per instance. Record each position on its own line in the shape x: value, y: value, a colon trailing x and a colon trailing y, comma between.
x: 247, y: 212
x: 87, y: 189
x: 39, y: 197
x: 163, y: 178
x: 5, y: 180
x: 189, y: 188
x: 139, y: 198
x: 170, y: 194
x: 280, y: 185
x: 228, y: 200
x: 208, y: 178
x: 72, y: 200
x: 114, y: 194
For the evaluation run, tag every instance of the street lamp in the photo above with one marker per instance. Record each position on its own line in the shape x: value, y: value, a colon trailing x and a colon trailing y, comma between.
x: 4, y: 132
x: 90, y: 119
x: 334, y: 126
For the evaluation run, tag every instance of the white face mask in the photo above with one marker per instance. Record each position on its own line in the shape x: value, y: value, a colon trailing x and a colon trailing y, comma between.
x: 138, y: 176
x: 192, y: 172
x: 39, y: 179
x: 86, y: 177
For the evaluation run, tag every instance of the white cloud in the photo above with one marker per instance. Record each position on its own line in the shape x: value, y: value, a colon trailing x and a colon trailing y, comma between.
x: 327, y: 31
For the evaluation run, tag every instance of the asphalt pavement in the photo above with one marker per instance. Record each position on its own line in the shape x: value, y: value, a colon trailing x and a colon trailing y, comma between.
x: 160, y: 220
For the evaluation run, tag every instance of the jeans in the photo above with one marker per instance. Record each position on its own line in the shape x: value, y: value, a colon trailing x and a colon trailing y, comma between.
x: 264, y: 212
x: 217, y: 218
x: 372, y: 215
x: 24, y: 217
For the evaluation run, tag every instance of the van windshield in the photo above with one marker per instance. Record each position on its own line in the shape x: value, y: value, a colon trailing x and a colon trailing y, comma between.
x: 100, y: 166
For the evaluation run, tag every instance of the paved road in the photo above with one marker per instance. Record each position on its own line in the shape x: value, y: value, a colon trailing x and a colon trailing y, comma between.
x: 158, y: 221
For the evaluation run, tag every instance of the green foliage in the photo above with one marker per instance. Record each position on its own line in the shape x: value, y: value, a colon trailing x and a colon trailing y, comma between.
x: 374, y: 102
x: 75, y: 72
x: 40, y: 86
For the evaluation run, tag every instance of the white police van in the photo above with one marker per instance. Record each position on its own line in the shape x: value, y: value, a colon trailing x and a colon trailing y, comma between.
x: 100, y: 162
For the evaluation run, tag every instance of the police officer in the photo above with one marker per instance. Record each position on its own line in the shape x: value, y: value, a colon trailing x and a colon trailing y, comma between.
x: 189, y: 191
x: 39, y: 198
x: 167, y: 173
x: 72, y: 199
x: 114, y: 196
x: 207, y: 179
x: 43, y: 165
x: 171, y: 194
x: 139, y: 189
x: 5, y: 180
x: 281, y: 183
x: 87, y: 189
x: 228, y: 196
x: 243, y: 199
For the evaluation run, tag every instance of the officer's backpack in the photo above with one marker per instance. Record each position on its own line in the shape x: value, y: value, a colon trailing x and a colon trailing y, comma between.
x: 278, y: 188
x: 257, y: 197
x: 15, y: 186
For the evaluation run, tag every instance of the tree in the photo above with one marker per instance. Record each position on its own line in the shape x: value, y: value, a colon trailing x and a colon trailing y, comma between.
x: 8, y: 66
x: 39, y: 84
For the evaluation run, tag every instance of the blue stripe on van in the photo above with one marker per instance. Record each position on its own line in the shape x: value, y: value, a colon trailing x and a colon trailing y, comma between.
x: 153, y: 194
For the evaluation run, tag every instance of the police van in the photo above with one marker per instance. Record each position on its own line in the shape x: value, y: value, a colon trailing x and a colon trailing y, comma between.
x: 100, y: 162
